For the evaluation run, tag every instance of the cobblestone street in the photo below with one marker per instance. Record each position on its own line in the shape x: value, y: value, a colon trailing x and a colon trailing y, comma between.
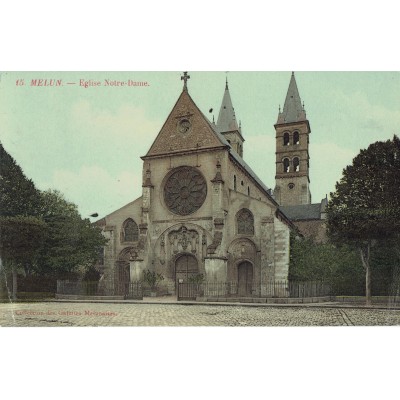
x: 105, y: 314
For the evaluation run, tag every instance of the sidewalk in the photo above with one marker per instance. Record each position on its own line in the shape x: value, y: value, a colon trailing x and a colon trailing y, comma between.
x: 168, y: 300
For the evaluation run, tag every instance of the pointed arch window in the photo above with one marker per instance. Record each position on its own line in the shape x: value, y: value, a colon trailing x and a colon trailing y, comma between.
x: 130, y: 231
x: 245, y: 222
x: 234, y: 182
x: 296, y: 164
x: 286, y: 165
x: 286, y: 139
x: 296, y: 138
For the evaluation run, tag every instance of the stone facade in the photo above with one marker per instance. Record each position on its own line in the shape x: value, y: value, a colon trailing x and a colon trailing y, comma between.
x: 203, y: 212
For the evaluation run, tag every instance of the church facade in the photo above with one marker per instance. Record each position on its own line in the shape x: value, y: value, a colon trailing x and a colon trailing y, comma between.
x: 204, y: 214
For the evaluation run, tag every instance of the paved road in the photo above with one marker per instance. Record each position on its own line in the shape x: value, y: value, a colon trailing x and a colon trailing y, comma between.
x: 104, y: 314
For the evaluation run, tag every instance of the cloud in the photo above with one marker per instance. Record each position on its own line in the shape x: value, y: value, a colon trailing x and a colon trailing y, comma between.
x: 365, y: 121
x: 94, y: 189
x: 128, y: 122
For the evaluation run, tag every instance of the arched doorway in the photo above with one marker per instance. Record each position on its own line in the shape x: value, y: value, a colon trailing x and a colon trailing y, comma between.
x: 186, y: 267
x: 245, y: 279
x: 122, y: 277
x: 122, y: 271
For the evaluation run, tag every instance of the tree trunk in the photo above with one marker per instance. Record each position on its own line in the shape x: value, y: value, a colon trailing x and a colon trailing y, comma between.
x: 365, y: 253
x: 15, y: 283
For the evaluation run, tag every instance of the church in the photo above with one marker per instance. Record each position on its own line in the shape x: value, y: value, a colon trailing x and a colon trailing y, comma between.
x: 204, y: 215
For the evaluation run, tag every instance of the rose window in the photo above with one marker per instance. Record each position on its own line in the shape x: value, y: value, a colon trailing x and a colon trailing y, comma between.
x: 185, y: 191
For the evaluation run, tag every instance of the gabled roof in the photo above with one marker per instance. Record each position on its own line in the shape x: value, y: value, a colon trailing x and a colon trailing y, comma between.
x: 304, y: 212
x: 200, y: 133
x: 293, y: 111
x: 227, y: 119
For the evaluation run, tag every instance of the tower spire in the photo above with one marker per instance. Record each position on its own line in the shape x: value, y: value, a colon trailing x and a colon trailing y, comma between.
x: 227, y: 123
x: 226, y: 118
x: 293, y: 111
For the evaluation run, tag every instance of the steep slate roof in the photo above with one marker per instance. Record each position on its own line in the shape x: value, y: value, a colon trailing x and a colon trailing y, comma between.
x: 227, y: 118
x: 293, y: 110
x: 303, y: 211
x: 243, y: 163
x: 169, y: 140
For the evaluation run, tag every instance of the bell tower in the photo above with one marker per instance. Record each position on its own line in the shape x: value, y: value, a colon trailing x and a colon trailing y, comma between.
x: 292, y: 180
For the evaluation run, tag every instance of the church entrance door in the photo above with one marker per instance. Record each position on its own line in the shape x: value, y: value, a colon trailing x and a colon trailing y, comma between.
x: 186, y: 267
x: 122, y: 278
x: 245, y: 279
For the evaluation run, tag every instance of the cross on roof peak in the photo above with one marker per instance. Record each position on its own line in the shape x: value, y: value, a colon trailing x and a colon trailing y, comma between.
x: 185, y: 78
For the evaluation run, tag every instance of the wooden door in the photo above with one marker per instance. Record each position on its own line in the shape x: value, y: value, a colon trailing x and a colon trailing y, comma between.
x: 245, y: 279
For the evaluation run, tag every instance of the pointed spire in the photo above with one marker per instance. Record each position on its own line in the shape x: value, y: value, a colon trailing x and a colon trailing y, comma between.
x: 226, y: 119
x: 293, y: 110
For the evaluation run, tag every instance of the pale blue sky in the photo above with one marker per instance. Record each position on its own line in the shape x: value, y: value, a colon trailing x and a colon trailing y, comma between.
x: 87, y: 143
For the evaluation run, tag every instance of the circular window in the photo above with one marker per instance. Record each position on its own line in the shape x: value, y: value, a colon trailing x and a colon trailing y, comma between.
x: 184, y: 125
x: 185, y: 191
x: 291, y: 185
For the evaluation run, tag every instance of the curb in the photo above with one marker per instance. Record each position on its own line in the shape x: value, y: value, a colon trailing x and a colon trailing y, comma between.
x: 236, y: 304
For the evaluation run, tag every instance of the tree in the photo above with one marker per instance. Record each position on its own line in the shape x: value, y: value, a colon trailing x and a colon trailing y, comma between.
x: 365, y: 208
x: 21, y: 238
x: 339, y: 267
x: 18, y: 195
x: 71, y: 243
x: 20, y: 233
x: 41, y: 231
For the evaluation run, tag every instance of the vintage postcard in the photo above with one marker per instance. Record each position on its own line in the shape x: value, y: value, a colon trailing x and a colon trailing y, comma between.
x: 199, y: 199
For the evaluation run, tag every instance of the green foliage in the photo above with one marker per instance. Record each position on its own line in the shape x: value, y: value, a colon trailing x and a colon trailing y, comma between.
x: 41, y: 231
x: 18, y: 195
x: 152, y: 278
x: 364, y: 211
x: 21, y: 239
x: 366, y: 203
x: 340, y: 267
x: 21, y: 232
x: 91, y: 275
x: 71, y: 242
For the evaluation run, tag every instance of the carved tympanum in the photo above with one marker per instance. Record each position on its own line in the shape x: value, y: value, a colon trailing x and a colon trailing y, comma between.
x: 185, y: 191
